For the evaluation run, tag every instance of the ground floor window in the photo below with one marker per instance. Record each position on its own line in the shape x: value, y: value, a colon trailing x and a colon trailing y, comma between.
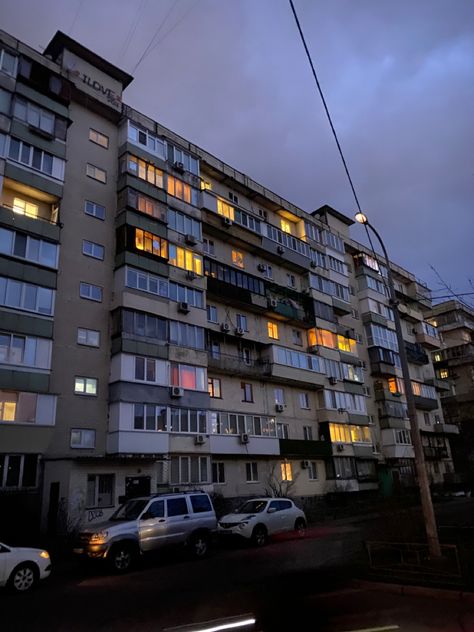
x: 18, y: 470
x: 251, y: 470
x: 100, y: 490
x: 312, y: 471
x: 218, y: 472
x: 189, y: 469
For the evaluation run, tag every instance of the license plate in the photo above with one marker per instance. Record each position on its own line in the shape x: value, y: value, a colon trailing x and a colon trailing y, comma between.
x: 79, y: 551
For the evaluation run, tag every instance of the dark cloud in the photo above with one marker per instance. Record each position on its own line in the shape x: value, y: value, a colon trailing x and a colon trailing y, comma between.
x: 232, y: 76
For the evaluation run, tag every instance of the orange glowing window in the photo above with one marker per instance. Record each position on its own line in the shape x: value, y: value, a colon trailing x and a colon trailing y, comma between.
x: 395, y: 385
x: 151, y: 243
x: 325, y: 338
x: 346, y: 344
x: 286, y: 473
x: 179, y: 189
x: 286, y: 226
x: 238, y: 258
x: 272, y: 329
x: 224, y: 209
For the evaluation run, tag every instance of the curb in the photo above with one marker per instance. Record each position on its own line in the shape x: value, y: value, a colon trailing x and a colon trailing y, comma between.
x: 416, y: 591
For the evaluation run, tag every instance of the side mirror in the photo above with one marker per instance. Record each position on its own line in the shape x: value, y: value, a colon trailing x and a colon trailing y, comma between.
x: 271, y: 510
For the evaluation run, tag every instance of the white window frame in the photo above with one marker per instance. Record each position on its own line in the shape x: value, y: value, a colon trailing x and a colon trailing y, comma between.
x: 218, y: 467
x: 86, y: 292
x: 92, y: 381
x: 97, y: 210
x: 98, y: 138
x: 93, y: 249
x: 96, y: 173
x: 251, y: 472
x: 87, y: 334
x: 96, y: 500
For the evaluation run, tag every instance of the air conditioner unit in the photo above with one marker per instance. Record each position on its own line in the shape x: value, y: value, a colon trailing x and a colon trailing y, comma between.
x: 190, y: 275
x: 176, y: 391
x: 244, y: 438
x: 280, y: 250
x: 190, y: 239
x: 179, y: 166
x: 272, y: 302
x: 227, y: 221
x: 340, y: 447
x: 341, y: 410
x: 199, y: 439
x: 183, y: 307
x: 332, y: 380
x: 225, y: 327
x: 262, y: 267
x: 279, y: 408
x: 305, y: 465
x: 239, y: 331
x: 313, y: 264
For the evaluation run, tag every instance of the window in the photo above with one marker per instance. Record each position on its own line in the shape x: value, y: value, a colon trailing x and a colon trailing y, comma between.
x: 141, y: 325
x: 22, y: 207
x: 238, y: 258
x: 312, y: 471
x: 214, y: 387
x: 8, y: 406
x: 212, y: 313
x: 308, y: 433
x: 304, y: 400
x: 7, y: 62
x: 337, y: 265
x: 151, y: 243
x: 98, y: 138
x: 329, y: 287
x: 242, y: 322
x: 426, y: 418
x: 100, y: 490
x: 346, y: 344
x: 144, y: 138
x: 189, y: 162
x: 26, y: 297
x: 185, y: 259
x: 142, y: 170
x: 25, y: 350
x: 345, y: 401
x: 23, y: 246
x: 208, y: 247
x: 91, y: 249
x: 251, y: 471
x: 182, y: 223
x: 286, y: 226
x: 5, y: 101
x: 187, y: 376
x: 96, y: 173
x: 344, y: 467
x: 81, y: 438
x: 145, y: 369
x: 18, y: 470
x: 233, y: 197
x: 149, y: 417
x: 247, y: 392
x: 272, y: 329
x: 88, y: 337
x: 268, y: 272
x: 189, y: 421
x: 26, y: 154
x: 215, y: 349
x: 94, y: 210
x: 443, y: 374
x: 297, y: 337
x: 218, y: 472
x: 286, y: 473
x: 282, y: 431
x: 146, y: 282
x: 182, y: 190
x: 224, y: 209
x: 85, y: 386
x: 287, y: 240
x: 298, y: 360
x: 279, y: 396
x: 291, y: 280
x: 381, y: 337
x: 189, y: 469
x: 185, y: 335
x: 90, y: 292
x: 231, y: 276
x: 39, y: 118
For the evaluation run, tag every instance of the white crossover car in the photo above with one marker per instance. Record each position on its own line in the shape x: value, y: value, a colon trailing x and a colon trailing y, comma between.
x: 21, y: 568
x: 259, y: 518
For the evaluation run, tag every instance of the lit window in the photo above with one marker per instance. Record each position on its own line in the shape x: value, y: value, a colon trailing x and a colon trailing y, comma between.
x: 272, y: 329
x: 214, y: 387
x: 286, y: 473
x: 346, y: 344
x: 98, y: 138
x: 85, y: 386
x: 185, y: 259
x: 238, y: 258
x: 286, y: 226
x: 96, y: 173
x: 22, y: 207
x: 181, y: 190
x: 206, y: 186
x: 224, y: 209
x: 437, y: 357
x: 151, y: 243
x: 443, y: 374
x: 8, y: 403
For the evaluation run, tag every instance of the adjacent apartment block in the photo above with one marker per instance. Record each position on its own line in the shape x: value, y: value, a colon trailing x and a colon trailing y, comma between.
x: 167, y: 322
x: 454, y: 366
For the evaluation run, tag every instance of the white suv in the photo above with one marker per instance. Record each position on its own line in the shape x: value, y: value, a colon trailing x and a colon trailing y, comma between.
x: 259, y: 518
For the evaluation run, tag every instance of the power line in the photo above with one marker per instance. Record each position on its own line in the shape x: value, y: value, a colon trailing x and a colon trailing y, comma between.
x: 132, y: 29
x: 73, y: 24
x: 156, y: 33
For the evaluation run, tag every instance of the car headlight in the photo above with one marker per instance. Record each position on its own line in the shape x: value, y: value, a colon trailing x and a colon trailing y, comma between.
x: 44, y: 555
x: 99, y: 537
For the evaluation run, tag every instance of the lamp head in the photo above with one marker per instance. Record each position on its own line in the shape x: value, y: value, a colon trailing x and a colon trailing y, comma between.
x: 361, y: 218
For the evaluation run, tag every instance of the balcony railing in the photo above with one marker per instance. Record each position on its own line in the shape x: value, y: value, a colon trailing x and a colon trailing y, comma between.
x: 239, y: 366
x: 40, y: 215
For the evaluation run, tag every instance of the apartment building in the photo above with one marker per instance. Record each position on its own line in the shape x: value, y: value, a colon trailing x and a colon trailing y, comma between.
x: 454, y: 367
x: 167, y: 322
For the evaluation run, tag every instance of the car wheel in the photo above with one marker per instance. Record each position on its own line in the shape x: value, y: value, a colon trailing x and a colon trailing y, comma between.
x: 300, y: 527
x: 121, y: 558
x: 200, y: 545
x: 23, y: 577
x: 259, y: 535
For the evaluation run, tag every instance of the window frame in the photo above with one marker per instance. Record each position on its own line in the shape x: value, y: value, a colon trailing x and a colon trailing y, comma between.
x: 98, y: 138
x: 93, y: 172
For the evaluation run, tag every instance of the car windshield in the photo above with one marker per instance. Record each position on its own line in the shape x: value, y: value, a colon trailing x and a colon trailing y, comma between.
x: 252, y: 506
x: 130, y: 510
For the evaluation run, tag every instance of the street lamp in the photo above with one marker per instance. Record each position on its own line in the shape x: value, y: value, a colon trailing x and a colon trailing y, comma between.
x: 426, y: 503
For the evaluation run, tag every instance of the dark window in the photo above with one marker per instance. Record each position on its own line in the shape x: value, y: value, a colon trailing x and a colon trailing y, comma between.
x: 284, y: 504
x: 201, y: 503
x: 157, y: 509
x: 29, y: 470
x: 177, y: 506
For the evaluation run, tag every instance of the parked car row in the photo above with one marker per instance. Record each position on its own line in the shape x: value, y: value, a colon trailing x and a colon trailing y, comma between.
x: 142, y: 525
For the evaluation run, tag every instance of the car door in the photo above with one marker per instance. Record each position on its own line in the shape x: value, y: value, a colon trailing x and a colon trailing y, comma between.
x: 4, y: 555
x: 152, y: 526
x: 273, y: 518
x: 178, y: 519
x: 287, y: 514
